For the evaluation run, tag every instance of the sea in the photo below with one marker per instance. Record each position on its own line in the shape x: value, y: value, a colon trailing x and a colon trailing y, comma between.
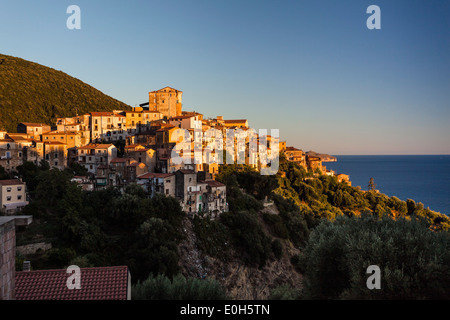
x: 422, y: 178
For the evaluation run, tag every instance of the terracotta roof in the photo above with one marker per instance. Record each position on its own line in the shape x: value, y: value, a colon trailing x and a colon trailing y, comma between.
x: 96, y: 146
x: 11, y: 182
x: 103, y: 113
x: 150, y: 175
x: 234, y: 121
x: 104, y: 283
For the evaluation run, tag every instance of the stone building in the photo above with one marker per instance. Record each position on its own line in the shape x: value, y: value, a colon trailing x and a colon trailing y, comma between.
x: 94, y: 155
x: 167, y: 101
x: 157, y: 183
x: 8, y: 254
x: 33, y: 130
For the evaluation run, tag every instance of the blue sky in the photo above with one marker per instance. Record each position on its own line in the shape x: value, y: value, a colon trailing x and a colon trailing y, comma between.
x: 309, y: 68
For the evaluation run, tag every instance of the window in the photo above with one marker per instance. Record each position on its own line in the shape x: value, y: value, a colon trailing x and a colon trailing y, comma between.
x: 167, y: 191
x: 19, y: 188
x: 20, y: 154
x: 8, y: 198
x: 56, y: 163
x: 8, y: 189
x: 19, y: 197
x: 56, y: 156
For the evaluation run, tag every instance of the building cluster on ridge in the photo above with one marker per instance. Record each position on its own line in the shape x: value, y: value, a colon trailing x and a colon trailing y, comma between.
x: 147, y: 133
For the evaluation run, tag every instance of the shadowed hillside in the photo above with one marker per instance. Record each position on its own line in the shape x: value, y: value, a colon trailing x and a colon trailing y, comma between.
x: 30, y: 92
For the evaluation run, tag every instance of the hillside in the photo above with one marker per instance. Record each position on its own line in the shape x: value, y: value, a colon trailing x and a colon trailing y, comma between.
x: 30, y: 92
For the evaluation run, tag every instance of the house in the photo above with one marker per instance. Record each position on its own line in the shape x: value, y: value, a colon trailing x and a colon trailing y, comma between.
x: 142, y: 154
x: 215, y: 198
x: 188, y: 191
x: 55, y: 153
x: 11, y: 152
x: 241, y: 123
x: 157, y: 183
x: 33, y: 130
x: 12, y: 196
x: 344, y: 178
x: 314, y: 163
x: 93, y: 155
x: 189, y: 121
x: 99, y: 283
x: 109, y: 126
x: 83, y: 182
x: 296, y: 155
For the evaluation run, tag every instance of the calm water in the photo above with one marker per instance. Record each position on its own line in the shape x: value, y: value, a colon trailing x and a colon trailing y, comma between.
x: 424, y: 178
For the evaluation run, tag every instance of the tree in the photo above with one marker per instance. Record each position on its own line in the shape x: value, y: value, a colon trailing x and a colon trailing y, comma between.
x: 372, y: 185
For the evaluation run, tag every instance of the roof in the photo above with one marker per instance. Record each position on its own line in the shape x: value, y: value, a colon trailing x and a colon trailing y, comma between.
x: 235, y: 121
x: 121, y: 160
x: 213, y: 183
x: 97, y: 146
x: 151, y: 175
x: 136, y: 164
x: 292, y: 149
x: 186, y: 171
x: 11, y: 182
x: 170, y: 88
x: 102, y: 114
x: 104, y: 283
x: 182, y: 117
x: 34, y: 124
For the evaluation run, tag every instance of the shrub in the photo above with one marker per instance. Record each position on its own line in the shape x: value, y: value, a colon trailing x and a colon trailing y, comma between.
x: 179, y: 288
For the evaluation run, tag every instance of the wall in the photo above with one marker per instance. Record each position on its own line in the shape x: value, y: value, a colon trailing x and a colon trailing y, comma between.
x: 7, y: 259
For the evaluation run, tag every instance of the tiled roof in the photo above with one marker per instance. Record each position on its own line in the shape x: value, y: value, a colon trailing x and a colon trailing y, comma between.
x: 105, y: 283
x: 96, y: 146
x: 102, y: 114
x: 235, y: 121
x: 150, y: 175
x: 11, y: 182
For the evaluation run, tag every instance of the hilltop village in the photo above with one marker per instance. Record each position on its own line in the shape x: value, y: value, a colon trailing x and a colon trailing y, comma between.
x: 134, y: 146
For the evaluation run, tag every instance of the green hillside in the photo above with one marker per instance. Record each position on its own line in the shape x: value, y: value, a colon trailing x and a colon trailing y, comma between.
x: 30, y: 92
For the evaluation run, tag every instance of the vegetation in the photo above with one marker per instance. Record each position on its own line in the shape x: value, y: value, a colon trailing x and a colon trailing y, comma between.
x: 179, y: 288
x: 30, y: 92
x: 102, y: 227
x: 414, y: 260
x: 339, y: 229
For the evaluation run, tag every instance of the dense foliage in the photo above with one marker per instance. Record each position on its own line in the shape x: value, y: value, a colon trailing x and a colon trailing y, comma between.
x: 339, y: 229
x: 30, y: 92
x: 414, y: 260
x: 179, y: 288
x: 103, y: 227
